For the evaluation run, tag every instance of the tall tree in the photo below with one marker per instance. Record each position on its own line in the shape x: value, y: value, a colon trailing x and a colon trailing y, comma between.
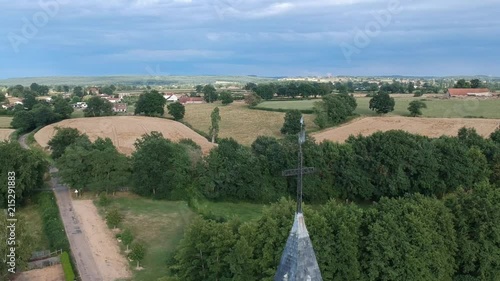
x: 63, y: 108
x: 462, y: 84
x: 63, y: 138
x: 214, y: 127
x: 177, y: 110
x: 475, y: 83
x: 226, y: 97
x: 29, y: 100
x: 291, y: 126
x: 161, y: 169
x: 151, y: 103
x: 78, y: 91
x: 210, y: 93
x: 97, y: 106
x: 415, y: 107
x: 382, y: 103
x: 265, y: 91
x: 23, y: 120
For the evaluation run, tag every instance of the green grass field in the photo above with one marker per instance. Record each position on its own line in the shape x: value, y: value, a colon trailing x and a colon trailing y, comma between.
x: 5, y: 122
x: 33, y: 225
x: 161, y: 224
x: 436, y: 108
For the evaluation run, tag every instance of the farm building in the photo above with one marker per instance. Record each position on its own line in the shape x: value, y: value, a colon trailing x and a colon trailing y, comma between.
x: 459, y: 92
x: 171, y: 97
x: 120, y: 107
x: 190, y: 100
x: 113, y: 100
x: 44, y: 98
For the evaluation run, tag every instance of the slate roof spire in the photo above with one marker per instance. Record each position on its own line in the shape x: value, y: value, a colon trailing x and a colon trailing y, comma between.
x: 298, y: 261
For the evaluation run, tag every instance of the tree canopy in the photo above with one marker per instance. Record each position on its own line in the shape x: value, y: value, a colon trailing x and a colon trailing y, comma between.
x: 382, y: 103
x: 151, y: 103
x: 97, y: 107
x: 177, y: 110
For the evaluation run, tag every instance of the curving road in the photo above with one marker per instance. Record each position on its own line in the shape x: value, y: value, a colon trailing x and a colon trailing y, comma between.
x: 80, y: 247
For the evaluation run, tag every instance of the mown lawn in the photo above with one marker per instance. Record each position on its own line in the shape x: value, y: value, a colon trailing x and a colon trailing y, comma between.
x: 240, y: 122
x: 5, y: 122
x: 161, y: 225
x: 436, y: 108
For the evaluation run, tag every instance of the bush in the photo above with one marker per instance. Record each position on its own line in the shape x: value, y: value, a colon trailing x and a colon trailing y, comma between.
x: 114, y: 218
x: 103, y: 200
x: 69, y: 275
x: 52, y: 223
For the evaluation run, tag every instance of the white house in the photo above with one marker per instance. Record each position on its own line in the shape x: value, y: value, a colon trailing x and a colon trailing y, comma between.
x: 120, y: 107
x: 80, y: 105
x: 171, y: 97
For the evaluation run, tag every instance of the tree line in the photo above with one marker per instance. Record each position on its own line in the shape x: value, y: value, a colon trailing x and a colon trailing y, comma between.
x: 385, y: 164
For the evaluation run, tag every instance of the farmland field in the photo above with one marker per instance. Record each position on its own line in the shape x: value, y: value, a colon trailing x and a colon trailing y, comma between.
x: 432, y: 127
x: 5, y: 122
x: 124, y: 130
x: 441, y: 108
x: 240, y: 122
x: 161, y: 225
x: 5, y: 133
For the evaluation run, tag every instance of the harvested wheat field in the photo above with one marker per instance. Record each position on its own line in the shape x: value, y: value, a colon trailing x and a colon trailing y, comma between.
x: 51, y: 273
x: 111, y: 264
x: 431, y: 127
x: 124, y: 130
x: 5, y: 133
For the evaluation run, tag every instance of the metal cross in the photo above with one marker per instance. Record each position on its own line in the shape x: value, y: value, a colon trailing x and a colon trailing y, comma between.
x: 301, y: 170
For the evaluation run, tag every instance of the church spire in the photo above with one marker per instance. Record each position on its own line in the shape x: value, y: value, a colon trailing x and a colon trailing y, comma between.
x: 298, y: 261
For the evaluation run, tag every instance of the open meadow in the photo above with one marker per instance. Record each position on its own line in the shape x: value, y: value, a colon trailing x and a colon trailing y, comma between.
x: 161, y: 224
x: 124, y: 130
x: 431, y: 127
x: 436, y: 108
x: 239, y: 122
x: 5, y: 122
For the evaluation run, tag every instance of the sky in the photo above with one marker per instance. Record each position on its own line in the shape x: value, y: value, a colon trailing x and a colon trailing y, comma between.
x: 249, y: 37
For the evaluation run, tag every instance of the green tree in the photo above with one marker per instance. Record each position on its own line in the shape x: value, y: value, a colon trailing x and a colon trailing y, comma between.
x: 161, y: 169
x: 214, y: 127
x: 462, y: 84
x: 127, y: 238
x: 26, y: 166
x: 177, y: 110
x: 226, y: 97
x: 114, y: 218
x: 252, y: 99
x: 250, y: 86
x: 78, y: 91
x: 44, y: 115
x: 475, y: 83
x: 210, y: 93
x: 63, y: 108
x: 138, y: 252
x: 265, y: 91
x: 334, y: 109
x: 63, y: 138
x: 477, y: 224
x: 291, y: 126
x: 382, y: 103
x: 97, y: 107
x: 29, y: 101
x: 411, y: 87
x: 416, y: 107
x: 199, y: 89
x: 151, y: 103
x: 23, y: 120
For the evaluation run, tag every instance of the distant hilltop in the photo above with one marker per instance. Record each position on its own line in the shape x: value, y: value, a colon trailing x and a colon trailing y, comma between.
x: 152, y: 80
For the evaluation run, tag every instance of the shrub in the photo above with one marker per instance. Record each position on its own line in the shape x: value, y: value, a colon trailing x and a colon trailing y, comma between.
x: 103, y: 200
x: 52, y: 224
x: 69, y: 275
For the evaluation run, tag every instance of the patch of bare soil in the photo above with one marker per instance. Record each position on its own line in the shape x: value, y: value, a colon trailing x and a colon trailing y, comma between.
x: 51, y: 273
x: 431, y: 127
x: 111, y: 264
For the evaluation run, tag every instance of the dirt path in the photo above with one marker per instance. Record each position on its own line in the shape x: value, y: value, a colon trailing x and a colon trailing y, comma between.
x: 103, y: 244
x: 51, y: 273
x: 80, y: 248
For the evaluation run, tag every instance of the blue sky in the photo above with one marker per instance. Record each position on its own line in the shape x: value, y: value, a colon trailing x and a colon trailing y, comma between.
x: 249, y: 37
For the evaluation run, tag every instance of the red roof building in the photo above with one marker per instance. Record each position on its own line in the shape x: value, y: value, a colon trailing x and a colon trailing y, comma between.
x: 459, y: 92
